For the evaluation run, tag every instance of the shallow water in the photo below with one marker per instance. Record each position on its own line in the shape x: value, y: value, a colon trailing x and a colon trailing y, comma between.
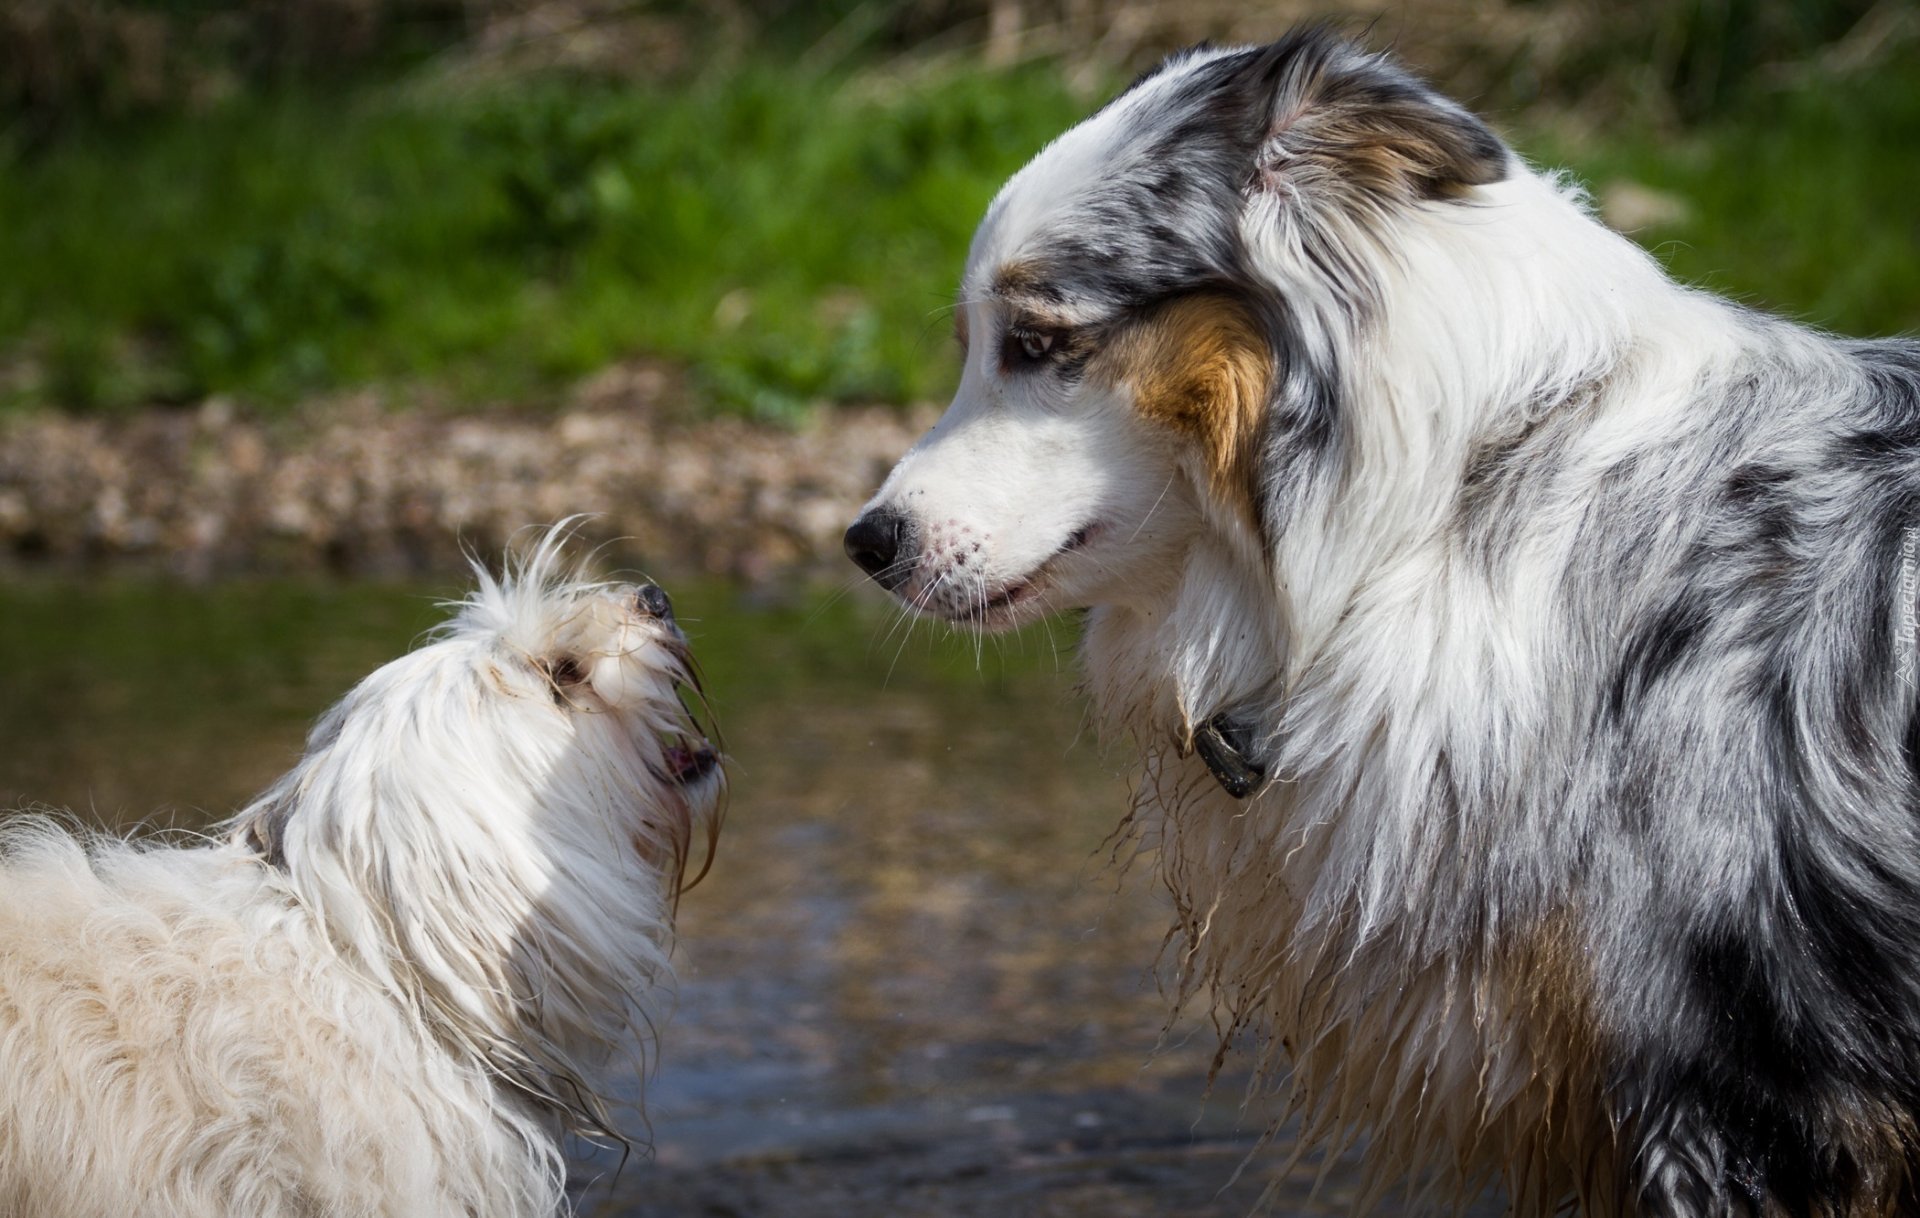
x: 913, y: 984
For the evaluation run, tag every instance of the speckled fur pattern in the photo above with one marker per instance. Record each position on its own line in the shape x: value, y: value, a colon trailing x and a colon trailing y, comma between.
x: 387, y: 986
x: 1568, y: 612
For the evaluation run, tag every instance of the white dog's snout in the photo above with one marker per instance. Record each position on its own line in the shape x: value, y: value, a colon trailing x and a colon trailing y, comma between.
x: 651, y: 600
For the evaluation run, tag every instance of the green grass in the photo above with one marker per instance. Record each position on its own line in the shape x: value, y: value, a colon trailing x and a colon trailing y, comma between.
x: 1803, y: 203
x: 786, y: 235
x: 789, y: 236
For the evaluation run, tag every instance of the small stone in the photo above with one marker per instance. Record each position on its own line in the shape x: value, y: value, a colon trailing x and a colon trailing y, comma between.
x: 1632, y: 207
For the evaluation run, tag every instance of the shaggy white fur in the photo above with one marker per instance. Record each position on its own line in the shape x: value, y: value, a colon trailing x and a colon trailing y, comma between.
x: 1520, y: 645
x: 384, y: 990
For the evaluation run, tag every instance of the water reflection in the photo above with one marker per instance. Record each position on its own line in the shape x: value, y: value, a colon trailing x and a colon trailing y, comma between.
x: 912, y: 984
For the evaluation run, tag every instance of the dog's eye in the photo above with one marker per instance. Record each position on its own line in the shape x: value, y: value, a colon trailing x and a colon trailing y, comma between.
x: 566, y: 671
x: 1029, y: 346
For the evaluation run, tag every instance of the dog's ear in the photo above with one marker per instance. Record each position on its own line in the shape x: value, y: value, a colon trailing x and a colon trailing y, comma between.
x: 1325, y: 121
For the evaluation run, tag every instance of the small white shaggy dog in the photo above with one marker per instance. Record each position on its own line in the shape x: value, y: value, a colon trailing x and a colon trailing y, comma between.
x: 384, y: 990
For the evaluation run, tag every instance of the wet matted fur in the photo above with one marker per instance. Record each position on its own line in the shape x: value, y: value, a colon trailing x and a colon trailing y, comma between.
x: 386, y: 988
x: 1555, y: 621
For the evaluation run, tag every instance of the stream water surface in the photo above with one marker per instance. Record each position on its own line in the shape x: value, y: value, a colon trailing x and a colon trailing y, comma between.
x: 914, y: 983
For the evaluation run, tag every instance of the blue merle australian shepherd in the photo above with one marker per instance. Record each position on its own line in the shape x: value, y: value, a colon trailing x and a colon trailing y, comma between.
x: 1520, y: 646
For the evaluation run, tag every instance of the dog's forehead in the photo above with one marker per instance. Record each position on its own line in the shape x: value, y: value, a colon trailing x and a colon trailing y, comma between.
x: 1132, y: 201
x: 1036, y: 195
x: 535, y: 620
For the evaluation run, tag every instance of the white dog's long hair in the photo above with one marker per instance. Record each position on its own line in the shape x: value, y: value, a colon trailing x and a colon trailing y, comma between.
x: 387, y: 988
x: 1521, y: 646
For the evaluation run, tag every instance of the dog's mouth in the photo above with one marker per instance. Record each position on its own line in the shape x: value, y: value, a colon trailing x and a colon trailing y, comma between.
x: 1002, y: 606
x: 688, y: 755
x: 689, y: 762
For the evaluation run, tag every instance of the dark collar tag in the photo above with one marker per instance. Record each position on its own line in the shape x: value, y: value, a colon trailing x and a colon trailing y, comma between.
x: 1224, y: 746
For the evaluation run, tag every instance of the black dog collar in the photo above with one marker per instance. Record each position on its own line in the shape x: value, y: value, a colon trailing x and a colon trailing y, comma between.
x: 1224, y: 745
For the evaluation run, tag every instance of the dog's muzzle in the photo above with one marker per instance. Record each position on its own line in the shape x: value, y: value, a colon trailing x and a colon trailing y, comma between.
x: 876, y: 542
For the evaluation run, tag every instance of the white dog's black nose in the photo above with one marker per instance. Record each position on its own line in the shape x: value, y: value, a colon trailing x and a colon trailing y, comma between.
x: 651, y: 599
x: 875, y: 542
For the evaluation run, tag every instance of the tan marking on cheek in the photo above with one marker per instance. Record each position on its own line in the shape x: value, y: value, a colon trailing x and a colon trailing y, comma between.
x: 960, y: 333
x: 1202, y: 367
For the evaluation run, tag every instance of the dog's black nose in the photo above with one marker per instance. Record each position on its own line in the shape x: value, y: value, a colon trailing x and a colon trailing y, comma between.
x: 874, y: 543
x: 651, y: 599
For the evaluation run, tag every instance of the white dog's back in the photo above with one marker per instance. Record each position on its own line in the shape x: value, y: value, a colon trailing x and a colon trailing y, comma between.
x: 177, y: 1037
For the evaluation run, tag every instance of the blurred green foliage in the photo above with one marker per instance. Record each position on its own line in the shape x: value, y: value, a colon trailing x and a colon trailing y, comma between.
x: 1801, y: 201
x: 789, y: 235
x: 785, y: 223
